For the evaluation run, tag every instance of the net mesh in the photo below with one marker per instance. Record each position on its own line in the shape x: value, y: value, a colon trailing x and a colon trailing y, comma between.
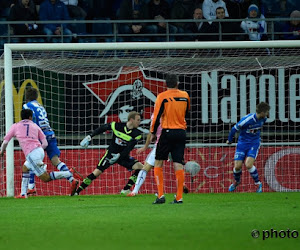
x: 83, y: 89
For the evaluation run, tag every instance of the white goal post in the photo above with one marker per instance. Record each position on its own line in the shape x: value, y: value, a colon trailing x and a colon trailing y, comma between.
x: 195, y: 49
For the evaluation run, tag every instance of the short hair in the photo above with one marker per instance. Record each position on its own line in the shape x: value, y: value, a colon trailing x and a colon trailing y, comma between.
x: 132, y: 115
x: 171, y: 80
x: 220, y: 8
x: 31, y: 94
x: 26, y: 113
x: 262, y: 107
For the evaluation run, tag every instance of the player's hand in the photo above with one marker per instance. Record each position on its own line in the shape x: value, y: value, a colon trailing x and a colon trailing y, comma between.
x: 114, y: 158
x: 228, y: 142
x: 153, y: 138
x: 86, y: 141
x: 141, y: 150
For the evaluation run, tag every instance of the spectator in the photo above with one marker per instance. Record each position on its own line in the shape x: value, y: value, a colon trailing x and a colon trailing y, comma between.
x: 135, y: 10
x: 5, y: 6
x: 52, y: 10
x: 210, y: 6
x: 75, y: 11
x: 224, y: 28
x: 159, y: 10
x: 25, y: 10
x: 292, y: 28
x: 199, y: 26
x: 182, y: 9
x: 256, y: 30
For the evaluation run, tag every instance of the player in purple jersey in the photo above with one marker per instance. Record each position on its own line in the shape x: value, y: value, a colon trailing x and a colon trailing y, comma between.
x: 248, y: 144
x: 33, y: 141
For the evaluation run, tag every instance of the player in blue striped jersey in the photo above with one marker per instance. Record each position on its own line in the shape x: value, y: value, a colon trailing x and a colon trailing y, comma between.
x: 248, y: 144
x: 41, y: 119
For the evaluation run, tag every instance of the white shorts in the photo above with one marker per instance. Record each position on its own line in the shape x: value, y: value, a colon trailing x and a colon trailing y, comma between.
x: 151, y: 156
x: 34, y: 161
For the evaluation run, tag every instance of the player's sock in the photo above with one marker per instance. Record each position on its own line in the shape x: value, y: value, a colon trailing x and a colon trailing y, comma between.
x: 31, y: 184
x: 63, y: 167
x: 237, y: 175
x: 180, y: 180
x: 132, y: 179
x: 140, y: 180
x: 159, y: 178
x: 86, y: 182
x: 253, y: 172
x: 24, y: 185
x: 55, y: 175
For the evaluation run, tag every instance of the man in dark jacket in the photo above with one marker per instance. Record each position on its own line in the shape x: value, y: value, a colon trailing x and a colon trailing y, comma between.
x: 25, y: 10
x: 52, y: 10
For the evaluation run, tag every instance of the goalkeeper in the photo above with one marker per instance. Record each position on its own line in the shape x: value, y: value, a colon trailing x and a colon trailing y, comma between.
x: 125, y: 137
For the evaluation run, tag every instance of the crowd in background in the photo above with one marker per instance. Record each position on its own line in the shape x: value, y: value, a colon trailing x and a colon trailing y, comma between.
x: 208, y: 20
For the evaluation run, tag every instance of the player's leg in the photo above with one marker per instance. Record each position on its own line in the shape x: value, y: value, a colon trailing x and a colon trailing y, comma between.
x: 24, y: 183
x: 141, y: 178
x: 251, y: 157
x: 178, y: 139
x: 250, y: 160
x: 239, y: 157
x: 31, y: 185
x: 149, y: 163
x: 102, y: 165
x: 161, y: 154
x: 132, y: 165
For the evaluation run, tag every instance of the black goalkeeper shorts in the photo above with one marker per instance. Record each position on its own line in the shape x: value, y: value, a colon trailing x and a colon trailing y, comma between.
x: 171, y: 141
x: 126, y: 162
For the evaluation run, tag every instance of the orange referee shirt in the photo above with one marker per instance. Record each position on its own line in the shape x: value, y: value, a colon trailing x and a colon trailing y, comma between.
x: 171, y: 107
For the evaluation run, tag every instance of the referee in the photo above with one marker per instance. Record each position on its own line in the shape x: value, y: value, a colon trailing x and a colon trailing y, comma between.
x: 171, y: 108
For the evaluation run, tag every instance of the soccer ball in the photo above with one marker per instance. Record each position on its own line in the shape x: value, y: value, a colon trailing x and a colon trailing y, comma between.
x: 192, y: 167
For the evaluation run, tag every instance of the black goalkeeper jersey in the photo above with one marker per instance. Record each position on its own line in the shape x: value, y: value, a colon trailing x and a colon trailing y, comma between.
x: 123, y: 140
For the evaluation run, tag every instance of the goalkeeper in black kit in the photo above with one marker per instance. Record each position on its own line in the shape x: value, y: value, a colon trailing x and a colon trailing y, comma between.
x: 125, y: 137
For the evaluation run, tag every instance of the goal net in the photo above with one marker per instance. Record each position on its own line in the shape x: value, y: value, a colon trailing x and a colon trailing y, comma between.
x: 83, y: 86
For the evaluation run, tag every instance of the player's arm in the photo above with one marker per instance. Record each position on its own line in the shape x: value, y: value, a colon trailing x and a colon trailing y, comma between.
x: 86, y: 141
x: 158, y: 111
x: 147, y: 143
x: 233, y: 130
x: 42, y: 138
x: 7, y: 138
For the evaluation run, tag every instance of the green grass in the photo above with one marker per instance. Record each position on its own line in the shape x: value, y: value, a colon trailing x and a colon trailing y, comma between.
x: 204, y: 221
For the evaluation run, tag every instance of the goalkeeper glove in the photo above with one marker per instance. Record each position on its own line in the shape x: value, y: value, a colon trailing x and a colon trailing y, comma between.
x: 114, y: 158
x: 86, y: 141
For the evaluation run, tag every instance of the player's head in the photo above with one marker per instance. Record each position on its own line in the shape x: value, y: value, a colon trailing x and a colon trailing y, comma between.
x: 171, y: 81
x: 220, y: 13
x: 31, y: 94
x: 262, y: 110
x: 134, y: 118
x: 26, y: 114
x: 253, y: 10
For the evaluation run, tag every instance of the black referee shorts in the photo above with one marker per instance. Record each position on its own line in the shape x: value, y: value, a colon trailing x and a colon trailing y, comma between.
x: 171, y: 141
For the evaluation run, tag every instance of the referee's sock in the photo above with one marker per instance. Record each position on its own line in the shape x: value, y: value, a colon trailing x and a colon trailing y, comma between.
x: 180, y: 180
x: 159, y: 178
x: 132, y: 179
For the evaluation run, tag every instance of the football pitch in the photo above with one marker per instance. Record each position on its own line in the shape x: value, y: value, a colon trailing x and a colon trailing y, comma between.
x: 203, y: 221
